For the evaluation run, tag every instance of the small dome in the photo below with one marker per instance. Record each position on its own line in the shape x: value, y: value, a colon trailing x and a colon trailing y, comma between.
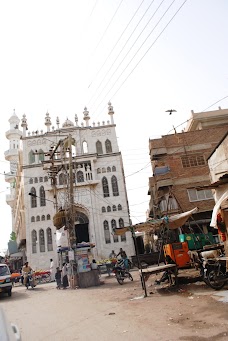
x: 67, y: 124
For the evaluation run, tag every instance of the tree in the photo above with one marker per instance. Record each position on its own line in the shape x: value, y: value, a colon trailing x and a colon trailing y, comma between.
x: 13, y: 236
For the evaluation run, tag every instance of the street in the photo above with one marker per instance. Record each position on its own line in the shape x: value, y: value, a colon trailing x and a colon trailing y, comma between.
x: 189, y: 312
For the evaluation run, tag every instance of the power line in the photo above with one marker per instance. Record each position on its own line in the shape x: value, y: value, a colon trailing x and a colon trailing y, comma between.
x: 118, y: 66
x: 114, y: 47
x: 107, y: 27
x: 122, y: 49
x: 141, y: 57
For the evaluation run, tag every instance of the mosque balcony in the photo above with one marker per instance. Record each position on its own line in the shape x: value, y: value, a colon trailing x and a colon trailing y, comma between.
x: 10, y: 177
x: 10, y: 199
x: 11, y: 154
x: 13, y: 133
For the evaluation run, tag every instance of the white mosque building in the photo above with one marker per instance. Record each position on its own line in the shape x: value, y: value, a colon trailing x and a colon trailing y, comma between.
x: 99, y: 189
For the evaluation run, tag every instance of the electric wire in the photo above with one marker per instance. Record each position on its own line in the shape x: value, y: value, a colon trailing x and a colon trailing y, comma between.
x: 97, y: 88
x: 143, y: 56
x: 110, y: 53
x: 106, y: 29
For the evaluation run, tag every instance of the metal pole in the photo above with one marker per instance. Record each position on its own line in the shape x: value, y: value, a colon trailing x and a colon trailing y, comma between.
x: 138, y: 261
x: 72, y: 234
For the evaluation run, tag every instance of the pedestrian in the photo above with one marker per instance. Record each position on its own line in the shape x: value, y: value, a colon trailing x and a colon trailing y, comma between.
x: 58, y: 276
x: 52, y: 274
x: 64, y: 276
x: 112, y: 255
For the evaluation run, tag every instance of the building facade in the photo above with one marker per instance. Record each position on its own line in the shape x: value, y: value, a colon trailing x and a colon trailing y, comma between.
x: 180, y: 168
x: 99, y: 190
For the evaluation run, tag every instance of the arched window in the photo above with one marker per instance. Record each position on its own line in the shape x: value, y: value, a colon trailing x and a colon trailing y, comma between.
x: 115, y: 238
x: 109, y: 169
x: 31, y: 157
x: 31, y: 181
x: 48, y: 217
x: 114, y: 207
x: 41, y: 155
x: 121, y: 224
x: 108, y: 146
x: 62, y: 179
x: 49, y: 240
x: 32, y: 219
x: 33, y: 197
x: 119, y: 207
x: 42, y: 196
x: 37, y: 218
x: 46, y: 179
x: 42, y: 240
x: 114, y: 168
x: 80, y: 176
x: 36, y: 180
x: 103, y: 209
x: 43, y: 217
x: 103, y: 170
x: 41, y: 179
x: 34, y: 241
x: 107, y: 233
x: 85, y: 147
x: 108, y: 209
x: 105, y: 187
x: 99, y: 147
x: 115, y: 190
x: 98, y: 170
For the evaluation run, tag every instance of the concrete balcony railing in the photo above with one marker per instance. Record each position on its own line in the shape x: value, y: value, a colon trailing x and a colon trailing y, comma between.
x: 9, y: 177
x: 10, y: 199
x: 11, y: 153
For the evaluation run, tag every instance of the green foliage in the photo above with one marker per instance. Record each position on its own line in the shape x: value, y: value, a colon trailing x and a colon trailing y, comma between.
x: 13, y: 236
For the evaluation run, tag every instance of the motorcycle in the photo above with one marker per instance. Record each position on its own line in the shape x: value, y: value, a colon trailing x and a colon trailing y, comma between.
x: 121, y: 272
x: 213, y: 271
x: 30, y: 281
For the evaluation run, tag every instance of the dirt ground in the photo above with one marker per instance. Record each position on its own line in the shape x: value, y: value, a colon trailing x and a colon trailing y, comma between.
x: 187, y: 312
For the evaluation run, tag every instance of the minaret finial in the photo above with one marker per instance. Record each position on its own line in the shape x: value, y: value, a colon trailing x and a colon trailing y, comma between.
x: 111, y: 111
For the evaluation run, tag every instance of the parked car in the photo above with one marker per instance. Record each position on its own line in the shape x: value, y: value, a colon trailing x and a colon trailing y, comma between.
x: 5, y: 279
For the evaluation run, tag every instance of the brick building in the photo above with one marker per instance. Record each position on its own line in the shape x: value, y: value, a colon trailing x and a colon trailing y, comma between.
x: 179, y: 165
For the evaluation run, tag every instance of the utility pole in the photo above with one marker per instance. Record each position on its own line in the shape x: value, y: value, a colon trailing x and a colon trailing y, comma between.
x: 67, y: 214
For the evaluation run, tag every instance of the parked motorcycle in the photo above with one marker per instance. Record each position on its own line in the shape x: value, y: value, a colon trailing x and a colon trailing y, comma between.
x: 213, y: 271
x: 121, y: 272
x: 215, y: 274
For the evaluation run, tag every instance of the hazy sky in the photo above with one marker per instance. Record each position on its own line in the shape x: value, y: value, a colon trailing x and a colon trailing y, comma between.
x: 144, y: 56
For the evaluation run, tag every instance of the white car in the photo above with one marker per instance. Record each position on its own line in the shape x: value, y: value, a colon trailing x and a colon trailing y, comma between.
x: 5, y: 279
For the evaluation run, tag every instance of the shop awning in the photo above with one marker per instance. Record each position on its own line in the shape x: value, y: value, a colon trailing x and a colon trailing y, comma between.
x: 217, y: 208
x: 16, y: 255
x: 172, y: 222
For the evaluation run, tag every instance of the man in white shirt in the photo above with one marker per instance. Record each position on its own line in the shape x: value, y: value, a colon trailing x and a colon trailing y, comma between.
x: 52, y: 272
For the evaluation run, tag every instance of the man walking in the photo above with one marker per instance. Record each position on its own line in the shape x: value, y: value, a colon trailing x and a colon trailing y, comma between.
x: 52, y: 272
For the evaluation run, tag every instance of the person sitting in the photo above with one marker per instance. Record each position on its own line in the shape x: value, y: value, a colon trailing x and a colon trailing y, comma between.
x: 25, y: 271
x: 94, y: 265
x: 124, y: 257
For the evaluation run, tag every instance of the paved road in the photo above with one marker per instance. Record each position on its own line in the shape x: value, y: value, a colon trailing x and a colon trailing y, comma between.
x: 114, y: 312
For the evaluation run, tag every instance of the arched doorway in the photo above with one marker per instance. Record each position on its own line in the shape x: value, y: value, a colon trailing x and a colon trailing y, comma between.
x: 81, y: 227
